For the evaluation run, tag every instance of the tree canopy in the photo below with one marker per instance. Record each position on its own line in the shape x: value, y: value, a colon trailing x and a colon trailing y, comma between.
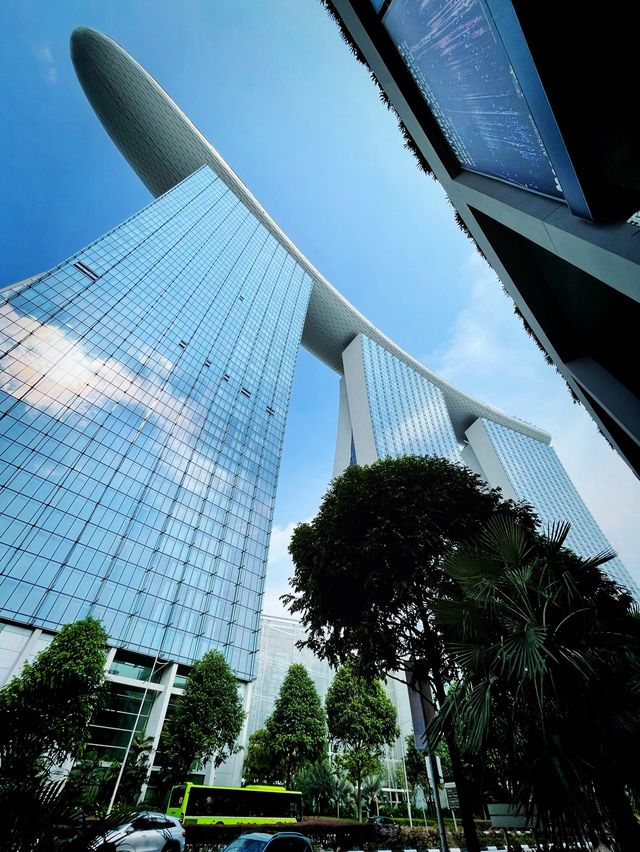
x: 44, y: 719
x: 415, y: 765
x: 362, y: 721
x: 296, y: 731
x: 549, y: 653
x: 207, y: 720
x: 46, y: 710
x: 369, y: 563
x: 258, y: 766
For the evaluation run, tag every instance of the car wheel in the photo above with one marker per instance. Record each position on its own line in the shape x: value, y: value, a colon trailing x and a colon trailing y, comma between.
x: 171, y: 846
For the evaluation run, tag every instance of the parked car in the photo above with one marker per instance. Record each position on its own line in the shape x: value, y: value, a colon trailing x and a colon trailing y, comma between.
x: 146, y: 831
x: 383, y: 822
x: 259, y: 841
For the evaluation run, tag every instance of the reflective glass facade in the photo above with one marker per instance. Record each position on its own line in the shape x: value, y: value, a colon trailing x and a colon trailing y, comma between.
x: 127, y: 709
x: 537, y: 476
x: 393, y: 409
x: 144, y: 388
x: 278, y: 650
x: 408, y: 413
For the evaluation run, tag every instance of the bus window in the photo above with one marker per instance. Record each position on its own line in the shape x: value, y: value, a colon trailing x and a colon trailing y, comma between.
x: 177, y: 796
x: 294, y: 807
x: 206, y: 801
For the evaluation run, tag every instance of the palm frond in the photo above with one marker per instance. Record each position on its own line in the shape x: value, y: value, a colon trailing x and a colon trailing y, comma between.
x: 471, y: 565
x: 524, y: 655
x: 505, y: 540
x: 556, y: 534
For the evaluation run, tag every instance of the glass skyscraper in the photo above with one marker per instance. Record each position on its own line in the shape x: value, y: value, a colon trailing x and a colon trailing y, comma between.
x: 390, y: 407
x: 408, y: 412
x: 528, y: 469
x: 144, y: 390
x: 278, y: 650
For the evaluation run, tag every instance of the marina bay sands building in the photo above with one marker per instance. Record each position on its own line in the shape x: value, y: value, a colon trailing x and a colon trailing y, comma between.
x: 144, y: 391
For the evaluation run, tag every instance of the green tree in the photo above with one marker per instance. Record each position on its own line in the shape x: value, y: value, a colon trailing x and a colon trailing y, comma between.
x: 370, y: 563
x: 315, y: 783
x: 258, y: 766
x: 371, y: 789
x: 44, y: 719
x: 47, y: 709
x: 341, y: 791
x: 415, y: 766
x: 297, y: 729
x: 207, y: 720
x: 362, y: 720
x: 549, y: 651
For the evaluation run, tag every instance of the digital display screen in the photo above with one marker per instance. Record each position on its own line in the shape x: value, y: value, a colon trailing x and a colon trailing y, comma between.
x: 454, y: 53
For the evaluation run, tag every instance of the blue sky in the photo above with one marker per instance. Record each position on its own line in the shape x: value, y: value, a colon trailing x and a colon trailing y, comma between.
x: 271, y: 84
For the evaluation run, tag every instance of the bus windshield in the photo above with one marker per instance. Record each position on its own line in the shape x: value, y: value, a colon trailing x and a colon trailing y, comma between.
x: 177, y: 796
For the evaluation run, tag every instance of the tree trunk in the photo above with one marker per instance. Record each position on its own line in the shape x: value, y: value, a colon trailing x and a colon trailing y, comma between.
x: 624, y: 825
x: 359, y: 801
x: 466, y: 810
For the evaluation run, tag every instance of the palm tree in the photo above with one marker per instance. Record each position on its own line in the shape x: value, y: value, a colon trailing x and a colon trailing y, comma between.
x: 315, y: 783
x: 370, y: 790
x: 548, y: 651
x: 341, y: 790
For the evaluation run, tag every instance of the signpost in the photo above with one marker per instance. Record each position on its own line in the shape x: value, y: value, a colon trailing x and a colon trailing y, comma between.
x: 453, y: 801
x: 452, y: 795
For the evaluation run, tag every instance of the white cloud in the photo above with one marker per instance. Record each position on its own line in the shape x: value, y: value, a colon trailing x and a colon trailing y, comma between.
x: 486, y: 342
x: 490, y: 356
x: 52, y: 372
x: 42, y: 53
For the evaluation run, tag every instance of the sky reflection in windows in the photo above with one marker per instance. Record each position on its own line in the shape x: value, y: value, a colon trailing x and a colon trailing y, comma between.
x: 137, y: 477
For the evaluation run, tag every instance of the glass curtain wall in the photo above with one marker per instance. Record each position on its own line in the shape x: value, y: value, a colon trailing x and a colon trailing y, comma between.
x: 144, y: 388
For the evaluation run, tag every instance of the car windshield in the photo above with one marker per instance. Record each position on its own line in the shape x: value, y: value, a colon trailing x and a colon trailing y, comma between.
x: 246, y: 844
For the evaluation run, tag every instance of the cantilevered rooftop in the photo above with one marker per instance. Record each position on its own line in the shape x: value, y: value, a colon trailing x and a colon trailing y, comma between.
x: 164, y: 147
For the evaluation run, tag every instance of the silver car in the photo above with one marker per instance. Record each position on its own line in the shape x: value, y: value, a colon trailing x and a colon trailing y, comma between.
x: 282, y: 841
x: 147, y: 831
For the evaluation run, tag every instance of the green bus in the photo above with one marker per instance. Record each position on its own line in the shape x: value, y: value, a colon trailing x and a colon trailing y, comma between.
x: 198, y: 804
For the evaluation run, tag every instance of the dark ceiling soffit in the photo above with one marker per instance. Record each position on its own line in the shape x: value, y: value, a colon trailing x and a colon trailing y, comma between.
x: 508, y: 27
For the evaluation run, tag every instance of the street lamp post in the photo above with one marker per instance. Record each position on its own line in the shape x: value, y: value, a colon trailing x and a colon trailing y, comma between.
x: 434, y: 777
x: 406, y: 783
